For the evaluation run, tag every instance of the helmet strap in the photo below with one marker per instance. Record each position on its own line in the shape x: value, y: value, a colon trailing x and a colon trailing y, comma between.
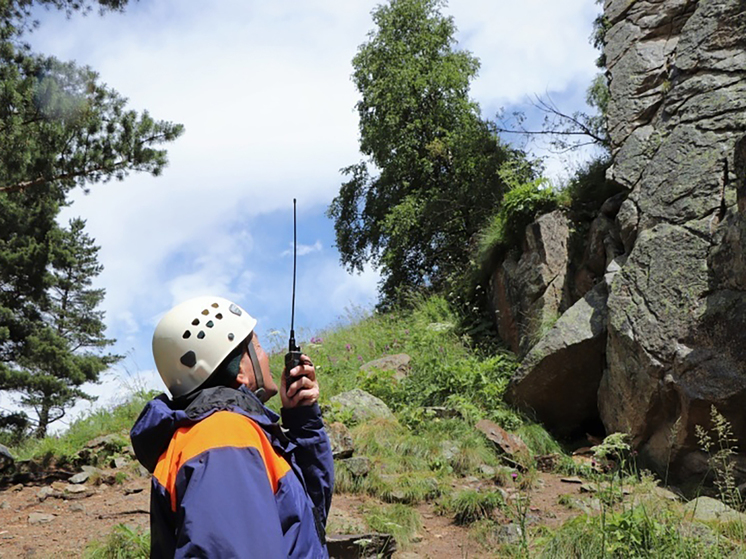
x: 260, y: 392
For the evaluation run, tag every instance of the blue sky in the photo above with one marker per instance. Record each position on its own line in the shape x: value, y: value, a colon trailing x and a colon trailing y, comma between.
x: 264, y: 91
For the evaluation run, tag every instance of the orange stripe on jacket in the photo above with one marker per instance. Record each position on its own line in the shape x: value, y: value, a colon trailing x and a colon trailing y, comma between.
x: 221, y: 429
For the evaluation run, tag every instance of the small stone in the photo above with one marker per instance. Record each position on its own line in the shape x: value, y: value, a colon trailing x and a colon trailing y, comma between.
x: 440, y: 326
x: 4, y: 505
x: 358, y: 466
x: 75, y: 489
x: 573, y: 479
x: 666, y: 494
x: 120, y: 462
x: 509, y: 533
x: 81, y: 477
x: 45, y: 492
x: 40, y: 518
x: 449, y: 450
x: 76, y: 507
x: 488, y: 471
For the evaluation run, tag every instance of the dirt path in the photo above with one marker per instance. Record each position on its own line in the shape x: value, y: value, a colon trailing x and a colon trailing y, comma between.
x: 33, y: 525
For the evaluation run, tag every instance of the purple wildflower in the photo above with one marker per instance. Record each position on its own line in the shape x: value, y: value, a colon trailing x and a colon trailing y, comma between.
x: 359, y: 357
x: 348, y: 347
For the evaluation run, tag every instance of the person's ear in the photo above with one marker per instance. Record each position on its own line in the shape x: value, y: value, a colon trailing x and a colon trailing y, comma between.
x: 241, y: 378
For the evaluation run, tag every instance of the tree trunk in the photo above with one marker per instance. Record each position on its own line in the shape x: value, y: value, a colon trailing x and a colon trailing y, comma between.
x: 41, y: 429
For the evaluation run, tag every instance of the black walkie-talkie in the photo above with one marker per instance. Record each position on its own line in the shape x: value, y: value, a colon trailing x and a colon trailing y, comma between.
x: 292, y: 357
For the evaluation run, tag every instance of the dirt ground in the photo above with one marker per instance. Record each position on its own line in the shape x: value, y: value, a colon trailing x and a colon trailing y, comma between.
x: 35, y: 525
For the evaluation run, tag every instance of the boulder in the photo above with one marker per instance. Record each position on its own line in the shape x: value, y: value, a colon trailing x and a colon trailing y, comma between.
x: 676, y: 343
x: 340, y: 439
x: 707, y: 509
x: 398, y: 363
x: 362, y: 405
x: 507, y: 443
x: 558, y: 380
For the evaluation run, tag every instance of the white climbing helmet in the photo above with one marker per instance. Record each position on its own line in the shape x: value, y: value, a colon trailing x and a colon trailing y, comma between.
x: 194, y: 337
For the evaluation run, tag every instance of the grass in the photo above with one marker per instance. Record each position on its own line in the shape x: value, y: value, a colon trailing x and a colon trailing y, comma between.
x: 635, y: 532
x: 401, y: 521
x: 470, y: 506
x: 123, y: 542
x: 418, y: 457
x: 60, y: 449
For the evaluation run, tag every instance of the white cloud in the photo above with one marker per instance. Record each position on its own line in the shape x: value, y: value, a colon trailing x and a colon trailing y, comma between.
x: 303, y: 250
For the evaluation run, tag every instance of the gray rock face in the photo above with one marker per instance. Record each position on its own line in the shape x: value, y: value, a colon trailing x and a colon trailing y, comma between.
x: 528, y: 292
x: 559, y: 378
x: 677, y: 324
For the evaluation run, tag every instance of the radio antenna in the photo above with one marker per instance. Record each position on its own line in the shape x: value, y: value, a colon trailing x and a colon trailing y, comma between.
x: 292, y: 346
x: 292, y: 357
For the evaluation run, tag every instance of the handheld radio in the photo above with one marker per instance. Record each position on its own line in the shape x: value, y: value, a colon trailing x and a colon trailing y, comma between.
x: 292, y: 357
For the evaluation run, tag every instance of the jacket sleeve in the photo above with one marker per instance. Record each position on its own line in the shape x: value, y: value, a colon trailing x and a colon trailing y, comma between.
x: 313, y: 454
x: 227, y: 507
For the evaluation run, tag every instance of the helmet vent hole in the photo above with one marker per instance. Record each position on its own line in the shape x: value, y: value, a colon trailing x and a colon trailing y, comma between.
x: 214, y: 305
x: 219, y: 316
x: 186, y: 334
x: 195, y: 322
x: 189, y: 359
x: 210, y: 324
x: 201, y: 335
x: 230, y: 337
x: 205, y: 312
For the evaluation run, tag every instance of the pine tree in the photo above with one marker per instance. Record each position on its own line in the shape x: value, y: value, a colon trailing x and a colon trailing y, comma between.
x: 60, y: 129
x: 66, y: 347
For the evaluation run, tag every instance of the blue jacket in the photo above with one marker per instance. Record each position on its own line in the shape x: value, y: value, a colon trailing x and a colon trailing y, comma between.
x: 229, y: 482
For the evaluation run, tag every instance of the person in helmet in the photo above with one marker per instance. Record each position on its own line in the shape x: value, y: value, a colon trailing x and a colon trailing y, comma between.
x: 228, y: 479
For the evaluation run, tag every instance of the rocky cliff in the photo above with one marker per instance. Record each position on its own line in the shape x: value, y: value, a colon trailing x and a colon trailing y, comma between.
x: 675, y: 331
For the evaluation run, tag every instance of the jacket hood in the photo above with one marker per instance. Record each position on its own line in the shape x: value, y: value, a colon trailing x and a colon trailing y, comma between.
x: 159, y: 420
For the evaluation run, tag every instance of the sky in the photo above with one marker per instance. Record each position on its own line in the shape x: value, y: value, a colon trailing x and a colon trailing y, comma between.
x: 264, y: 92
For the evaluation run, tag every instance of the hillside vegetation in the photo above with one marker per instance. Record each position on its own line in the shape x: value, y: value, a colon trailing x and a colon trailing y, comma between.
x: 431, y: 452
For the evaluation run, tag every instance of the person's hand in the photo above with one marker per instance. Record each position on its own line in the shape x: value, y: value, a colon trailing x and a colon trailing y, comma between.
x: 305, y: 390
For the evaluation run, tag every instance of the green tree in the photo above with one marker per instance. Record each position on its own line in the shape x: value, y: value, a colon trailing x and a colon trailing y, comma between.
x: 60, y: 128
x: 64, y: 351
x: 437, y: 161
